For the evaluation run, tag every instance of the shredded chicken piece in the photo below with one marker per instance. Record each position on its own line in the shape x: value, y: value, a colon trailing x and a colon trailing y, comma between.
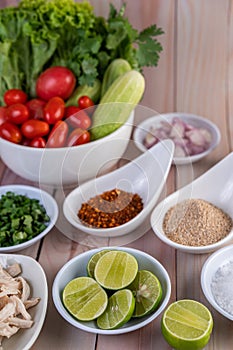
x: 14, y: 302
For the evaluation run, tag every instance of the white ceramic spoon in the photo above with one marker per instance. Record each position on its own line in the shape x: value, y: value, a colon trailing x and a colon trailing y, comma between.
x: 145, y: 175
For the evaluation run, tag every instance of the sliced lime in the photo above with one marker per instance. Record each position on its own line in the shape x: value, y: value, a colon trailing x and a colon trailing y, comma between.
x: 84, y: 298
x: 119, y: 310
x: 187, y: 325
x: 116, y: 270
x: 92, y: 262
x: 147, y: 291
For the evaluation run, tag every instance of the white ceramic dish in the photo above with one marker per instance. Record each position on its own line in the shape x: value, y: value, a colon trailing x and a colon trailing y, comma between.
x: 211, y: 265
x: 35, y: 276
x: 145, y: 175
x: 215, y: 186
x: 45, y: 199
x: 66, y: 166
x: 77, y: 267
x: 142, y: 129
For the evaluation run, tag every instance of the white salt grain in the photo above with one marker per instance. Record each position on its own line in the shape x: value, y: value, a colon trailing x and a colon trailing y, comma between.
x: 222, y: 287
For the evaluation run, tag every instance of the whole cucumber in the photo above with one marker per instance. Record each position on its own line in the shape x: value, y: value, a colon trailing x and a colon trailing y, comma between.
x: 117, y: 104
x: 116, y: 68
x: 85, y: 90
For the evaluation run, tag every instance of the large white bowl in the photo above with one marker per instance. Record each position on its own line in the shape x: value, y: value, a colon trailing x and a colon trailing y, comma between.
x: 145, y: 175
x: 35, y: 276
x: 76, y: 267
x: 197, y: 121
x: 67, y: 165
x: 216, y: 187
x: 211, y: 265
x: 45, y: 199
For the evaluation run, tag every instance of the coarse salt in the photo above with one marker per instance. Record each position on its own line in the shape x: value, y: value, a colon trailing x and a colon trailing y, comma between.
x: 222, y: 287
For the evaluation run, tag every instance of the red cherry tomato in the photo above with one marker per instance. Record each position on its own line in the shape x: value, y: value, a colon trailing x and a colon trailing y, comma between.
x: 3, y: 115
x: 85, y: 102
x: 58, y: 135
x: 77, y: 118
x: 33, y: 128
x: 10, y: 132
x: 78, y: 137
x: 14, y: 96
x: 38, y: 142
x: 55, y: 81
x: 54, y: 110
x: 17, y: 113
x: 35, y: 107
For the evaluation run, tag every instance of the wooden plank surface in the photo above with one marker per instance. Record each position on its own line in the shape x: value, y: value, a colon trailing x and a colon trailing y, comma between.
x: 195, y: 75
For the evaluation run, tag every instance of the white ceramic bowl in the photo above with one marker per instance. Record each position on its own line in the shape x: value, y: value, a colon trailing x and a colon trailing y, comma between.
x: 35, y: 276
x: 67, y: 165
x: 216, y: 187
x: 77, y: 267
x: 145, y: 175
x: 144, y: 127
x: 211, y: 265
x: 45, y: 199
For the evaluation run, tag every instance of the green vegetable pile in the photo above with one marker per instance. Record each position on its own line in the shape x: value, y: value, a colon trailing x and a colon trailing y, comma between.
x: 39, y: 34
x: 21, y: 219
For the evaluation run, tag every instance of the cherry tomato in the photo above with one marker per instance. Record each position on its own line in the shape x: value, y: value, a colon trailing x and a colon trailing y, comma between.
x: 77, y: 118
x: 58, y: 135
x: 33, y: 128
x: 14, y: 96
x: 85, y: 102
x: 54, y: 110
x: 17, y: 113
x: 35, y: 107
x: 3, y: 115
x: 38, y: 142
x: 55, y: 81
x: 78, y: 137
x: 10, y: 132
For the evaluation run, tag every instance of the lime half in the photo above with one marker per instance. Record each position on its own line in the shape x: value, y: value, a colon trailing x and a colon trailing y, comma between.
x: 84, y: 298
x: 147, y: 291
x: 119, y: 310
x: 116, y: 270
x: 187, y: 325
x: 93, y: 261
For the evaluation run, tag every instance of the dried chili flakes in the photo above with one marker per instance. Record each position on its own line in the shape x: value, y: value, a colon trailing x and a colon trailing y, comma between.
x: 110, y: 209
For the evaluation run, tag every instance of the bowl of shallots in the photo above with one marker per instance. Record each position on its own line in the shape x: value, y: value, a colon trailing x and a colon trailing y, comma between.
x: 194, y: 136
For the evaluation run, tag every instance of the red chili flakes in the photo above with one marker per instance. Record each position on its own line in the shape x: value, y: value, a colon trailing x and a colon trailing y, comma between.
x: 110, y: 209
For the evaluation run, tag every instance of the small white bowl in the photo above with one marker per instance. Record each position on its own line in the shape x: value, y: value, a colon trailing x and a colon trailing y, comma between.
x: 145, y: 175
x: 45, y: 199
x: 35, y: 276
x: 216, y: 187
x: 76, y: 267
x: 144, y: 127
x: 211, y: 265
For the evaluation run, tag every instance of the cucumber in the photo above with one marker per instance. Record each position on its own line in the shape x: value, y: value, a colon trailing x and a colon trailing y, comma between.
x: 85, y: 90
x: 117, y: 104
x: 116, y: 68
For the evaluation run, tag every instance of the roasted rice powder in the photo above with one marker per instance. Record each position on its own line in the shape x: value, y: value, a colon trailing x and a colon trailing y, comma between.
x: 196, y: 222
x: 110, y: 209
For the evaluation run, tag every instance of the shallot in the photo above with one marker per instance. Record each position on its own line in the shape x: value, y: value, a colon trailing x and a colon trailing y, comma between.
x: 188, y: 139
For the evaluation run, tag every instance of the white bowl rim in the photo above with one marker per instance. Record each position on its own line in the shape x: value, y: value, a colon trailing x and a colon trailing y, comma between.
x: 207, y: 263
x: 95, y: 231
x: 180, y: 160
x: 51, y: 223
x: 72, y: 148
x: 30, y: 260
x: 61, y: 308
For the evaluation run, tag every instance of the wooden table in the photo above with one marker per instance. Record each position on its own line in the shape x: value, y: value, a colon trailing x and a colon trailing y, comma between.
x: 195, y: 75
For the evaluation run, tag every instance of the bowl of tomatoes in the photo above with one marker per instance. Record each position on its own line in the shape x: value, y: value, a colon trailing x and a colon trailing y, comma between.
x: 47, y: 138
